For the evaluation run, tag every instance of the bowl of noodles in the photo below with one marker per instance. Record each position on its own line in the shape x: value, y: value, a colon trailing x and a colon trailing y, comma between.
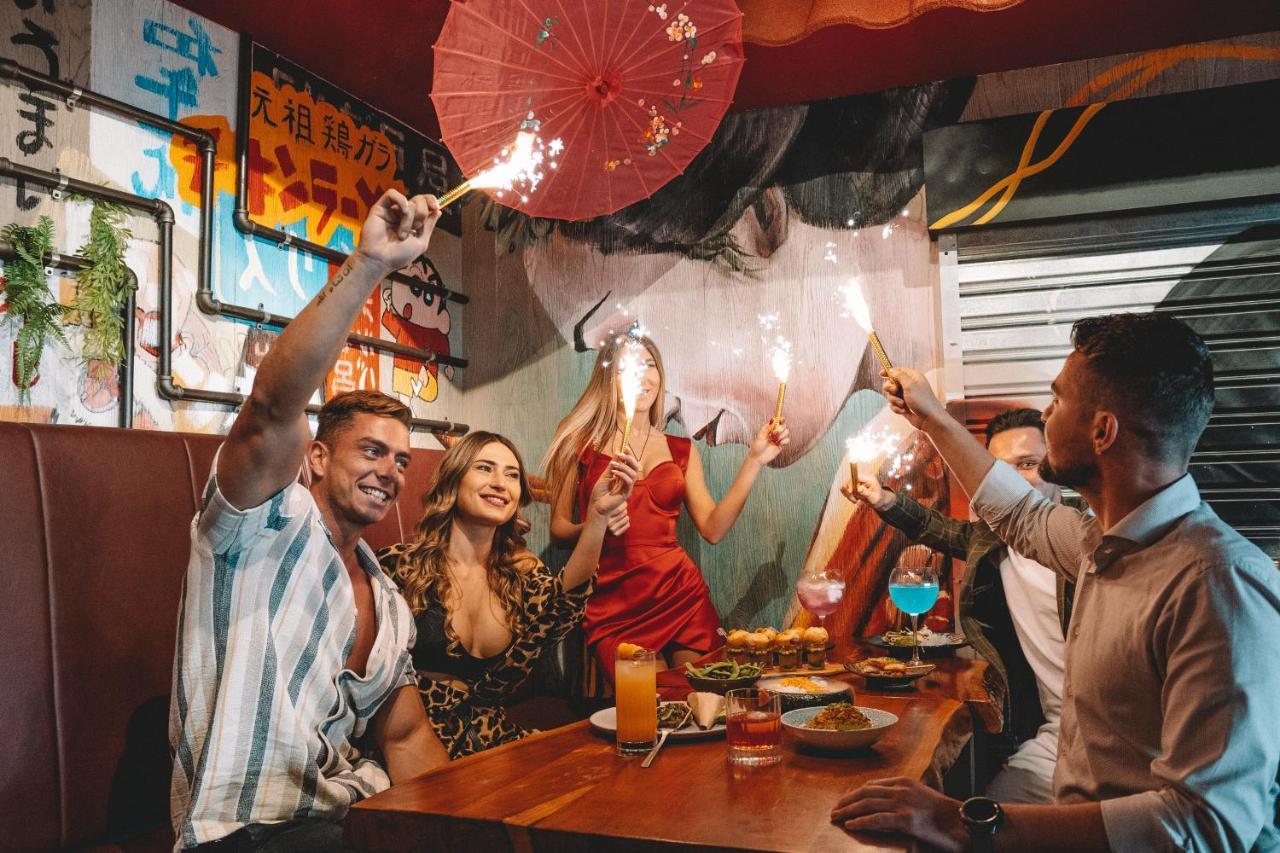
x: 838, y: 726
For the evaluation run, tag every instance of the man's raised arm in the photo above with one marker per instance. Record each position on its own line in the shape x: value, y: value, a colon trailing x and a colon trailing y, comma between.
x: 268, y: 440
x: 1049, y: 533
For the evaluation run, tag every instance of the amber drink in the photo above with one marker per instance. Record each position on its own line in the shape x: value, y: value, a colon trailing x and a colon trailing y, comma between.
x: 753, y: 726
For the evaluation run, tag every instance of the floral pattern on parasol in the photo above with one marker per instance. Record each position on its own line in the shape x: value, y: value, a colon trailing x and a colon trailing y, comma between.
x: 629, y: 92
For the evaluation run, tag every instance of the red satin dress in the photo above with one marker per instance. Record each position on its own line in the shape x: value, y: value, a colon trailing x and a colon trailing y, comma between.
x: 648, y: 590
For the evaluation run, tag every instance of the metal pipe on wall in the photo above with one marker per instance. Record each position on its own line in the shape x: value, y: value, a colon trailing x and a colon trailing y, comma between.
x: 205, y: 300
x: 73, y: 264
x: 162, y: 213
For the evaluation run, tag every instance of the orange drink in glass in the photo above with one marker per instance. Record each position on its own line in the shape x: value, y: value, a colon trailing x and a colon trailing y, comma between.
x: 636, y: 687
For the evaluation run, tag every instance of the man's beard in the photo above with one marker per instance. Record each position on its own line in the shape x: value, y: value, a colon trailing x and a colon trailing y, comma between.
x: 1070, y: 476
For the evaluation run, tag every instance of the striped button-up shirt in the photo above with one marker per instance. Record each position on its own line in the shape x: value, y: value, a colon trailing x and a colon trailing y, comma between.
x: 1169, y: 700
x: 264, y: 713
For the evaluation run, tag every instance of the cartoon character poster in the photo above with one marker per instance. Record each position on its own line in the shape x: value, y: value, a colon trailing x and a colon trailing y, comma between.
x: 416, y: 316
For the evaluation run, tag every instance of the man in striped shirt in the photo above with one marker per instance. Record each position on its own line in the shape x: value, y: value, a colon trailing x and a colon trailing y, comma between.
x: 293, y: 646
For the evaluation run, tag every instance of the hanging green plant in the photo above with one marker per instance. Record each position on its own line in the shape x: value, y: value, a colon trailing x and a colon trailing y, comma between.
x: 30, y: 301
x: 103, y: 285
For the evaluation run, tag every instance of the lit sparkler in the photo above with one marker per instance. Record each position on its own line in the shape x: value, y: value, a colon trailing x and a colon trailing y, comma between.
x: 780, y: 358
x: 631, y: 369
x: 517, y: 166
x: 857, y: 307
x: 866, y: 447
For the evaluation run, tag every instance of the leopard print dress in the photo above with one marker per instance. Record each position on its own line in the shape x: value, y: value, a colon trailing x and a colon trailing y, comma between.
x: 473, y: 720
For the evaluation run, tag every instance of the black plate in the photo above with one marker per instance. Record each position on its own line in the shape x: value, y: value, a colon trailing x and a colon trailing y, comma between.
x: 888, y: 682
x: 944, y: 650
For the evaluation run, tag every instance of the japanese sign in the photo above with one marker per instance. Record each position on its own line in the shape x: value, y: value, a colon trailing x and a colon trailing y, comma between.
x: 319, y: 157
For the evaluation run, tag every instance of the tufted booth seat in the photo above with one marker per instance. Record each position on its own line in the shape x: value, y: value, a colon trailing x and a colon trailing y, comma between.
x: 93, y: 547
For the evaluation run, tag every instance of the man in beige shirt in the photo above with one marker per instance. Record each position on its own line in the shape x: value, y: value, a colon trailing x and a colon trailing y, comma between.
x: 1168, y: 738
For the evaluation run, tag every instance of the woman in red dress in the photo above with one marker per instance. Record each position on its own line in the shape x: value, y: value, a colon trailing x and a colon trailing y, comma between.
x: 648, y: 590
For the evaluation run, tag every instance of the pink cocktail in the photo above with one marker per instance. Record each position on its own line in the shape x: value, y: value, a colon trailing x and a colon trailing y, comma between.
x: 820, y: 595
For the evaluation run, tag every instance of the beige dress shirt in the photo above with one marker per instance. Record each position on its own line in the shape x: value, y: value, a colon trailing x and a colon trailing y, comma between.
x: 1171, y: 698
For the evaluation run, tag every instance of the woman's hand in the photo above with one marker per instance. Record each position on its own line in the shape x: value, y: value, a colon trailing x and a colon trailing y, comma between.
x: 769, y: 441
x: 619, y: 521
x: 614, y: 486
x: 869, y: 492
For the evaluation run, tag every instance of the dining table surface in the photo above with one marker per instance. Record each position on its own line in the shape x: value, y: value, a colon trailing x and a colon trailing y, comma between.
x: 566, y: 789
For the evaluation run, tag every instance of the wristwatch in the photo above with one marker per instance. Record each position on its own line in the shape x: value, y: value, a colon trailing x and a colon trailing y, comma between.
x: 982, y: 816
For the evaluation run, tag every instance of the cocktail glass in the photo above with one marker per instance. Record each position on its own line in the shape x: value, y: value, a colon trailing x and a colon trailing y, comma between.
x: 820, y: 594
x: 753, y: 723
x: 914, y: 589
x: 636, y: 687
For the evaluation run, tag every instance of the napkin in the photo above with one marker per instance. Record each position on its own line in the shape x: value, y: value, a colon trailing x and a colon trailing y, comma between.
x: 706, y: 708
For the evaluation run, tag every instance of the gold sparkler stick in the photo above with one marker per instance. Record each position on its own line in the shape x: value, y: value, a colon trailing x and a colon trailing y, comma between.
x: 879, y: 350
x: 782, y: 392
x: 626, y: 435
x: 454, y: 194
x: 853, y: 476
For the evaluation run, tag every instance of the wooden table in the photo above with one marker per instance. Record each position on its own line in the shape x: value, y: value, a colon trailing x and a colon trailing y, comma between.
x: 566, y: 790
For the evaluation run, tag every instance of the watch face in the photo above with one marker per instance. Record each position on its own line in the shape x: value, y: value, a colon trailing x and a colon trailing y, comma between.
x: 981, y: 810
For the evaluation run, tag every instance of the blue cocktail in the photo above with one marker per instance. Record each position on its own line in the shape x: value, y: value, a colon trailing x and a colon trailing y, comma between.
x: 914, y: 589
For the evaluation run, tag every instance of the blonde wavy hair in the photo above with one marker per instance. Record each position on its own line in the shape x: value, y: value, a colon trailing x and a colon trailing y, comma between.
x: 422, y: 564
x: 595, y: 418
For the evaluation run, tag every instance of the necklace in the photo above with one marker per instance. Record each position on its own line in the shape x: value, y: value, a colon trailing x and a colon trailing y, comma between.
x: 643, y: 447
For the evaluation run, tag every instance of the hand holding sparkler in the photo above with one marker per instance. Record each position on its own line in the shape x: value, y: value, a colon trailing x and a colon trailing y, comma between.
x: 868, y: 491
x: 518, y: 167
x: 911, y: 396
x: 867, y: 448
x: 769, y: 441
x: 397, y: 230
x: 610, y: 493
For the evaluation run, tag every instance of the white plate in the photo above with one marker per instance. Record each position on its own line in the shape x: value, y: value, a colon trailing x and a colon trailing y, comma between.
x: 827, y: 685
x: 606, y: 720
x: 881, y: 722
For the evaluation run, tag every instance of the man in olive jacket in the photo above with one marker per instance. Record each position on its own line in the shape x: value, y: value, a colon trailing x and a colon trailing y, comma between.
x: 1014, y: 611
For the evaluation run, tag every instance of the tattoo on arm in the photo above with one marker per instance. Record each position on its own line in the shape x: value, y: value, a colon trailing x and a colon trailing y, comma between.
x: 333, y: 283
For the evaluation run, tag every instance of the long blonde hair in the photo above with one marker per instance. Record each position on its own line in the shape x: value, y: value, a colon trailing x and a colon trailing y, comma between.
x: 594, y: 418
x: 422, y: 564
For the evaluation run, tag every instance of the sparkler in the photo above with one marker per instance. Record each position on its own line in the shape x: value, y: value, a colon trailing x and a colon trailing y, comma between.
x: 631, y: 369
x: 517, y: 165
x: 866, y: 447
x: 857, y: 306
x: 781, y: 360
x: 779, y: 357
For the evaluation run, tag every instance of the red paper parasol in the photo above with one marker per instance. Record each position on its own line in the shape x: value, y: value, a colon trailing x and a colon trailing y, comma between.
x: 633, y: 91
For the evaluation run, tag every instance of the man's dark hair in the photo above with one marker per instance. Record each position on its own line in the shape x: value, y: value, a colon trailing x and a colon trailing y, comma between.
x: 1154, y: 371
x: 338, y: 413
x: 1014, y: 419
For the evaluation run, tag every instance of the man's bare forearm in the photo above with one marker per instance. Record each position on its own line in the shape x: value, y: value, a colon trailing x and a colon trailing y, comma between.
x: 298, y: 362
x: 1069, y: 828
